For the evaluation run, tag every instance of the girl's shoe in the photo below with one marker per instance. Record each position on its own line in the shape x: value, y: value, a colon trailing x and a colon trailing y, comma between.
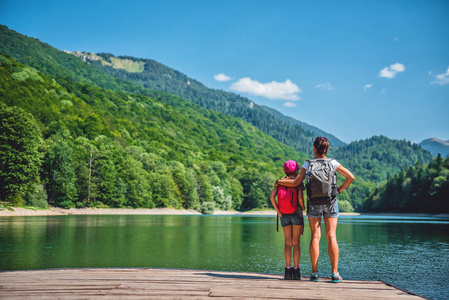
x: 288, y: 273
x: 296, y: 274
x: 315, y: 276
x: 336, y: 277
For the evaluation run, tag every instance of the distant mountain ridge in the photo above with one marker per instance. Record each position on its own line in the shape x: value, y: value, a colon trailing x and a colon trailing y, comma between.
x: 159, y: 77
x: 436, y: 146
x: 333, y: 140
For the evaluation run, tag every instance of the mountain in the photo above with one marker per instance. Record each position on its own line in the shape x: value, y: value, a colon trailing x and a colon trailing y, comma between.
x: 116, y: 104
x: 374, y: 161
x: 139, y: 76
x: 335, y: 142
x: 155, y: 76
x: 436, y: 146
x: 101, y: 147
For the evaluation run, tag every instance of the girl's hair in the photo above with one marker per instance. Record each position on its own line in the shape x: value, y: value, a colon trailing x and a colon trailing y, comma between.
x: 292, y: 173
x: 321, y: 145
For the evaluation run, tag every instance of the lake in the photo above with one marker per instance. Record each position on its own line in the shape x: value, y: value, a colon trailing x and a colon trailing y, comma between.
x: 409, y: 252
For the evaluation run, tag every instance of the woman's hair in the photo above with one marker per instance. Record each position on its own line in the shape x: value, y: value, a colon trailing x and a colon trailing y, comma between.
x: 321, y: 145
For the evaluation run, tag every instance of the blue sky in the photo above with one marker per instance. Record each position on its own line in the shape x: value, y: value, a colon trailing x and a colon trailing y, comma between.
x: 352, y: 68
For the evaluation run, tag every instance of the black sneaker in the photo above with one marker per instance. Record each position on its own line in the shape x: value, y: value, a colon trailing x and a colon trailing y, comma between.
x: 296, y: 274
x: 288, y: 273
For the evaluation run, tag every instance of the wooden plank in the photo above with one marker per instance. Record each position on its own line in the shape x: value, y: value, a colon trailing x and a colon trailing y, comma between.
x: 177, y: 284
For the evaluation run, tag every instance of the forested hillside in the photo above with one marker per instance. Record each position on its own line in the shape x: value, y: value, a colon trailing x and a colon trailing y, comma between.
x: 81, y: 101
x: 158, y: 77
x: 99, y: 147
x: 373, y: 161
x: 419, y: 189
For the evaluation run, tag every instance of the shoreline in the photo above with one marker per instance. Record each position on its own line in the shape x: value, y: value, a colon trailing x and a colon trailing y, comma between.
x: 55, y: 211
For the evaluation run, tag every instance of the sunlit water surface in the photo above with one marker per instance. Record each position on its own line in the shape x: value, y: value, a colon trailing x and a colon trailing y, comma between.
x: 410, y: 252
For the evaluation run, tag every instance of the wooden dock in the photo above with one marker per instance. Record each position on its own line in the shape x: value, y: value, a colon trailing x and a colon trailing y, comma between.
x: 181, y: 284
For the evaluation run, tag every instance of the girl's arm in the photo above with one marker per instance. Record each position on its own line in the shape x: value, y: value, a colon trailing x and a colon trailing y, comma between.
x: 301, y: 198
x: 273, y: 201
x: 348, y: 175
x: 293, y: 182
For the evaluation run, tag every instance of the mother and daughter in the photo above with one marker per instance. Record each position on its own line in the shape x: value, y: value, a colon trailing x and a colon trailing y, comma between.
x: 322, y: 191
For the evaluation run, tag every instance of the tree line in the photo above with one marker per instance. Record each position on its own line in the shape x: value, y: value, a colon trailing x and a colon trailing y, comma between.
x: 419, y: 189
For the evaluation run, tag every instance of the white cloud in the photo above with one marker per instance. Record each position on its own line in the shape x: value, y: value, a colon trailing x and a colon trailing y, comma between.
x: 222, y: 77
x: 367, y: 86
x: 272, y: 90
x: 391, y: 71
x: 442, y: 79
x: 326, y: 86
x: 289, y: 104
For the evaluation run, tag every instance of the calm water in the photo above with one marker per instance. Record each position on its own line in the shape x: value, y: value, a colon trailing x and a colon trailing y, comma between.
x: 411, y: 253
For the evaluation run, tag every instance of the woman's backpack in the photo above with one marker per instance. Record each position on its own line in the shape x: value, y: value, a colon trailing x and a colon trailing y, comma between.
x: 321, y: 181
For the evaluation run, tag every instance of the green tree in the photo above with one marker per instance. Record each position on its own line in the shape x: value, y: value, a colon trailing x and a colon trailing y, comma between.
x: 192, y: 200
x: 236, y: 191
x: 20, y: 159
x: 59, y: 175
x: 138, y: 188
x: 205, y: 189
x: 37, y: 198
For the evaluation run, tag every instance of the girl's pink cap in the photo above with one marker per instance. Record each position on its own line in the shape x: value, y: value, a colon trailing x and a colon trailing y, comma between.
x: 290, y: 166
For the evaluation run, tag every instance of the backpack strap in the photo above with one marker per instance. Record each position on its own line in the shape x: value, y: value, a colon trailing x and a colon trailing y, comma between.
x: 309, y: 161
x: 334, y: 177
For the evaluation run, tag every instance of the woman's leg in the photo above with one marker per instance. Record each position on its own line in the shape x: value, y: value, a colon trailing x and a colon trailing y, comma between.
x: 332, y: 245
x: 296, y: 235
x: 288, y: 245
x: 315, y: 229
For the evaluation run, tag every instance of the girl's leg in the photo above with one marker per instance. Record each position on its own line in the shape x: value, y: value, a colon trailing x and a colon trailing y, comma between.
x: 332, y: 245
x: 288, y: 245
x: 315, y: 229
x: 296, y: 235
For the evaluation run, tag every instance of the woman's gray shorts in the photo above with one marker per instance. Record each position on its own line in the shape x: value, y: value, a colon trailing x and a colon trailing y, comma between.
x: 325, y: 210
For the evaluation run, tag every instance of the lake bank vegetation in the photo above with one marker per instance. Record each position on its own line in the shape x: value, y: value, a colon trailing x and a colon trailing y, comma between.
x: 419, y: 189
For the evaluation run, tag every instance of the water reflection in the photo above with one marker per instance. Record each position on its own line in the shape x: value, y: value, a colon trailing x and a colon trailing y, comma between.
x: 399, y: 250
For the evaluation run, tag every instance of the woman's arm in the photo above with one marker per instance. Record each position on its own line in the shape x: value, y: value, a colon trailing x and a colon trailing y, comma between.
x: 348, y: 175
x: 293, y: 182
x: 273, y: 201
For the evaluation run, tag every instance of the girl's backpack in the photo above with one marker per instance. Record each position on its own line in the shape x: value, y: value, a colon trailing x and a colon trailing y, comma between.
x: 287, y: 199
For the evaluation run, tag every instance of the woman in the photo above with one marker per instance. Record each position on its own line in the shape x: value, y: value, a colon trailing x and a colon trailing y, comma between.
x: 329, y: 211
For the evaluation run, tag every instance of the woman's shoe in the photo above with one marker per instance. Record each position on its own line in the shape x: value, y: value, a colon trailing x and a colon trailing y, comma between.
x: 315, y: 276
x: 336, y: 277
